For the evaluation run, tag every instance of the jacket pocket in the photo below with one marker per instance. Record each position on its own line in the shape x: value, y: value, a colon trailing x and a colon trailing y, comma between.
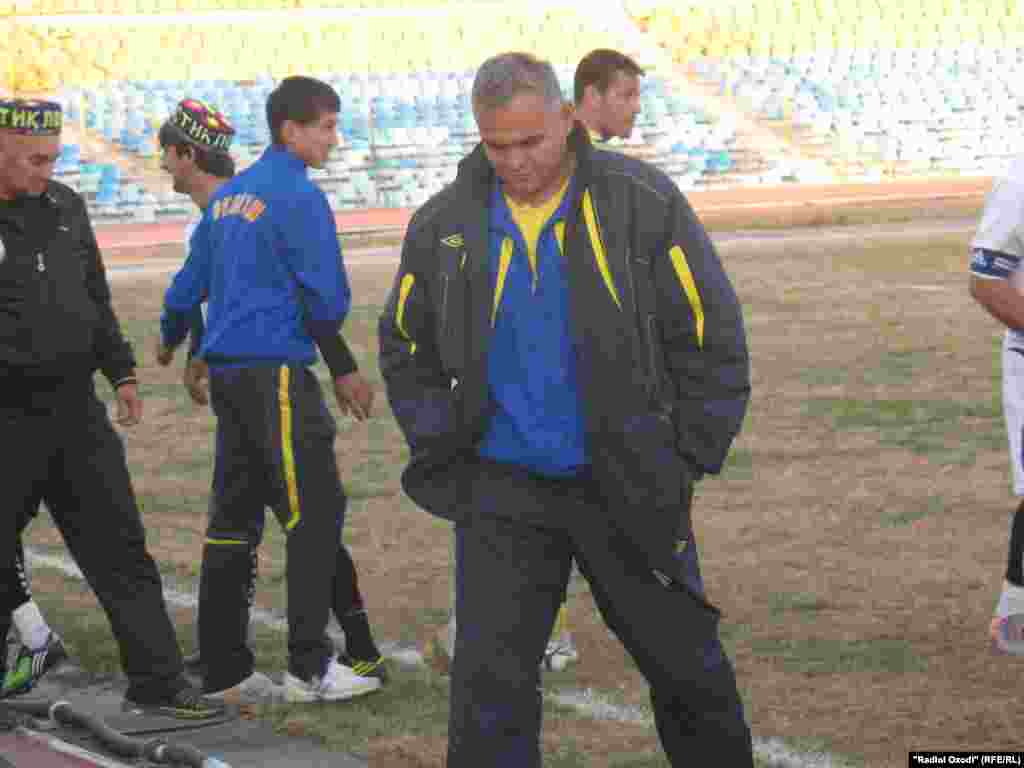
x: 18, y: 293
x: 429, y: 417
x: 683, y: 573
x: 657, y: 386
x: 450, y: 337
x: 431, y: 421
x: 443, y: 321
x: 66, y: 316
x: 676, y: 582
x: 444, y: 325
x: 645, y: 482
x: 657, y: 474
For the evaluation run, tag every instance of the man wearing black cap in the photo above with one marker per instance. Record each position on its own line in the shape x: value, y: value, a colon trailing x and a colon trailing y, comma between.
x: 57, y: 327
x: 199, y: 163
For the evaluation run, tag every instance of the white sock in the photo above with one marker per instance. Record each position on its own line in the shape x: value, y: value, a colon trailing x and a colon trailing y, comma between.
x: 31, y: 625
x: 1011, y: 601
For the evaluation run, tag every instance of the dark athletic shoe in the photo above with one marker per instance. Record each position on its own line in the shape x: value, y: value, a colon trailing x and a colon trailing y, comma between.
x: 186, y: 704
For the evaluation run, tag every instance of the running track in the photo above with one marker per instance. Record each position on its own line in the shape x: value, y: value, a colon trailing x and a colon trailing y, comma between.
x: 792, y: 198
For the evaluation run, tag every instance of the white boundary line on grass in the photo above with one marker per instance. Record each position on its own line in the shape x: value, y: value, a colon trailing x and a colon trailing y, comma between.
x: 588, y: 702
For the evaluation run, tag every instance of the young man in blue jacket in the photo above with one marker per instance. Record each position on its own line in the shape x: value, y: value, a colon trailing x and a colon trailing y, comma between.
x: 566, y: 357
x: 198, y: 166
x: 266, y: 257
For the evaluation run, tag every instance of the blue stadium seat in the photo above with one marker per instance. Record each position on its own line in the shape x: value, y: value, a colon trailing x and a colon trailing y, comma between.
x: 414, y: 125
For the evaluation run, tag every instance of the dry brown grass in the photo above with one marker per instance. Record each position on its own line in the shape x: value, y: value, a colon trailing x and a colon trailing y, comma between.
x: 856, y: 543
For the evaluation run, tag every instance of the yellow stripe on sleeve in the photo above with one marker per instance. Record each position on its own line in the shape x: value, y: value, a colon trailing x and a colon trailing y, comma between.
x: 690, y: 289
x: 404, y: 289
x: 598, y: 245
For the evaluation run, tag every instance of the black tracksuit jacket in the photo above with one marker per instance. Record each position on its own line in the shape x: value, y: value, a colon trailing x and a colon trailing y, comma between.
x: 57, y: 325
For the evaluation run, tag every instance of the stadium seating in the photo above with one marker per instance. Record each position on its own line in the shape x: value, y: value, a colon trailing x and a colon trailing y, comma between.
x: 870, y: 89
x: 404, y: 77
x: 905, y: 87
x: 402, y: 136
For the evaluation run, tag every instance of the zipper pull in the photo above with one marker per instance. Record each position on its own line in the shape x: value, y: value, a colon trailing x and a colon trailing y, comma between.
x: 40, y: 265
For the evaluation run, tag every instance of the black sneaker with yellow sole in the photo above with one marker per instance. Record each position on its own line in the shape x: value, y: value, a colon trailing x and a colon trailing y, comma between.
x: 186, y: 704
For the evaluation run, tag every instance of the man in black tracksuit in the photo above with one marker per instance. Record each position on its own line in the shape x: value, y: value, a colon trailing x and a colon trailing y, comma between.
x: 566, y: 357
x: 57, y: 327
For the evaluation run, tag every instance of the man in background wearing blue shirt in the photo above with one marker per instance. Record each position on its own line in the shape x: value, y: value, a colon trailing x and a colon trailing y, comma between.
x: 266, y: 257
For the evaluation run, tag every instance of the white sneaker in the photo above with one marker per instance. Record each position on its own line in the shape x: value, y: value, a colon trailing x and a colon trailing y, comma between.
x: 560, y: 653
x: 1007, y: 627
x: 256, y: 687
x: 337, y: 684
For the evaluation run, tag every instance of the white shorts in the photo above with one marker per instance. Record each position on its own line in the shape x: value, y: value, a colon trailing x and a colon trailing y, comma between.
x: 1013, y: 406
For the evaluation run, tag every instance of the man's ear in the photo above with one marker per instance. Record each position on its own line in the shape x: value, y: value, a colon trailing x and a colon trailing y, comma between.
x: 567, y: 115
x: 287, y: 131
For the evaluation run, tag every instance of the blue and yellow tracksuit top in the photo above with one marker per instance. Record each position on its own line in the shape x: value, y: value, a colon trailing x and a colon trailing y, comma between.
x: 267, y: 258
x: 537, y: 420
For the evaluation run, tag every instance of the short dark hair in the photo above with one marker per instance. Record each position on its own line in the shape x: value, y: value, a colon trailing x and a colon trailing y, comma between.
x: 299, y: 99
x: 598, y: 68
x: 214, y: 163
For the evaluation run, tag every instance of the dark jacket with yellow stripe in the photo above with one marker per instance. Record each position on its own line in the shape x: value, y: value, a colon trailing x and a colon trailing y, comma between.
x: 663, y: 367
